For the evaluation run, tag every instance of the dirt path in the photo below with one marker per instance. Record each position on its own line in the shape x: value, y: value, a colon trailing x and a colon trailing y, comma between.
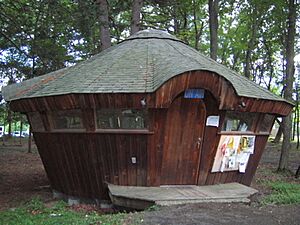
x: 22, y: 176
x: 219, y: 214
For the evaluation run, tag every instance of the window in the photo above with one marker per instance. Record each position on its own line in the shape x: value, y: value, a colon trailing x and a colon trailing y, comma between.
x: 266, y: 124
x: 236, y: 121
x: 36, y: 122
x: 121, y: 119
x: 69, y: 119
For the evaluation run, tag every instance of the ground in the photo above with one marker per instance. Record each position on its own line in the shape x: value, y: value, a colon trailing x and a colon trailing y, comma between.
x: 220, y: 214
x: 22, y: 177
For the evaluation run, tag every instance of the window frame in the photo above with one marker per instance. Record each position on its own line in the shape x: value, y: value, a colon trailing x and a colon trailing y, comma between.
x: 261, y: 119
x: 30, y: 116
x: 252, y: 129
x: 119, y: 112
x: 53, y: 116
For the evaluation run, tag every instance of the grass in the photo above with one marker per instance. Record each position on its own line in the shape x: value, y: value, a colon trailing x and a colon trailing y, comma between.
x: 35, y: 212
x: 153, y: 208
x: 278, y: 187
x: 282, y: 193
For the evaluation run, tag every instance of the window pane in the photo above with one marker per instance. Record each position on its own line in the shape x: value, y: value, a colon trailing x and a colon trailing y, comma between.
x: 235, y: 121
x: 132, y: 119
x: 121, y: 119
x: 107, y: 119
x: 70, y: 119
x: 36, y: 121
x: 266, y: 123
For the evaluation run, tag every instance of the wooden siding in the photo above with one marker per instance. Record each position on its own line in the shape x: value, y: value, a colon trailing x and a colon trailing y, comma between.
x: 79, y: 164
x: 222, y: 91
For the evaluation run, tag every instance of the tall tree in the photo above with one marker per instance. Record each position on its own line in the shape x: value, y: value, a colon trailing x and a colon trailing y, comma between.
x: 213, y: 8
x: 104, y: 24
x: 254, y: 26
x: 136, y: 11
x: 288, y: 91
x: 197, y: 30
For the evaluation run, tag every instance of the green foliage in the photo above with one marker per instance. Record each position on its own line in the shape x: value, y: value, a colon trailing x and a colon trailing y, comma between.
x: 153, y: 208
x: 283, y: 193
x: 37, y: 37
x: 35, y: 212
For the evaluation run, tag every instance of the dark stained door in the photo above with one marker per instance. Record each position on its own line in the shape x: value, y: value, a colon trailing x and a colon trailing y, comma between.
x: 183, y: 140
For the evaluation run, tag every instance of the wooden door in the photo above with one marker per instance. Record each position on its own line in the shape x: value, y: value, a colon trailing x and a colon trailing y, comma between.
x: 183, y: 140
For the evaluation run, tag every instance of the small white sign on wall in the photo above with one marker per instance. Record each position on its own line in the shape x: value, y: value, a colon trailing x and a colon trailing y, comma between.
x: 213, y: 121
x: 133, y: 160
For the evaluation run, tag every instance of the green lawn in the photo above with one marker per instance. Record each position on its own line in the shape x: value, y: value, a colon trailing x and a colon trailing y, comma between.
x: 35, y: 212
x: 283, y: 193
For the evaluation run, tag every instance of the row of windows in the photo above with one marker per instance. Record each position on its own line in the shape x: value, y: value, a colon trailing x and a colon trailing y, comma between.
x: 137, y: 119
x: 243, y: 122
x: 106, y: 119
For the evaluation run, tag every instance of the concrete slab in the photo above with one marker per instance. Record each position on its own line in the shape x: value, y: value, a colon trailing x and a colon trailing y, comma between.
x: 133, y: 197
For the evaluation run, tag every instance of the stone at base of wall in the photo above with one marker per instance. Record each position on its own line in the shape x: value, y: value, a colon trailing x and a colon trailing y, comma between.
x: 72, y: 200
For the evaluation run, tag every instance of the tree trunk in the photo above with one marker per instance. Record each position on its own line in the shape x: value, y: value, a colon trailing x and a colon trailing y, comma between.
x: 29, y: 140
x: 290, y: 69
x: 294, y: 118
x: 213, y: 8
x: 251, y: 44
x: 279, y: 132
x: 269, y: 63
x: 3, y: 137
x: 104, y: 24
x: 21, y: 128
x: 297, y: 173
x: 198, y: 32
x: 136, y: 20
x: 297, y: 117
x: 9, y: 121
x: 174, y: 15
x: 286, y: 143
x: 15, y: 128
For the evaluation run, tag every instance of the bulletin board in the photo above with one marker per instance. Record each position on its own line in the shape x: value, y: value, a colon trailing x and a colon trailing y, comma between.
x: 233, y: 153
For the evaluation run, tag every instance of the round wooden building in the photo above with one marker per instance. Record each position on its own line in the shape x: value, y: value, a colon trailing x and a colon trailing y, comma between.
x: 149, y: 111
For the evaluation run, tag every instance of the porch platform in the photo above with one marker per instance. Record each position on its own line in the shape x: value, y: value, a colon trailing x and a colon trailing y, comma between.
x: 143, y: 197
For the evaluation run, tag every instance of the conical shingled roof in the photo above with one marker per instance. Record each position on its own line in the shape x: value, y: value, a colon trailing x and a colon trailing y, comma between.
x: 140, y: 64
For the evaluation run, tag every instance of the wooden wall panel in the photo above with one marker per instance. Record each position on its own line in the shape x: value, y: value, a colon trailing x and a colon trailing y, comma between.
x: 155, y: 145
x: 210, y: 140
x: 79, y: 164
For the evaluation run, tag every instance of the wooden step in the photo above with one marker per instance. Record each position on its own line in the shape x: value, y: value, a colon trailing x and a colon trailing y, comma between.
x: 143, y: 197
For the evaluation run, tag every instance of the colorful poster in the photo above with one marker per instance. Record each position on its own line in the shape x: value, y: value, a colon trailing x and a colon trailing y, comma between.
x: 233, y: 153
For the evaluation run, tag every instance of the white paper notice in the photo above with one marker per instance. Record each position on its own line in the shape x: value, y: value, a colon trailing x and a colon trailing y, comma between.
x: 243, y: 159
x: 213, y: 121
